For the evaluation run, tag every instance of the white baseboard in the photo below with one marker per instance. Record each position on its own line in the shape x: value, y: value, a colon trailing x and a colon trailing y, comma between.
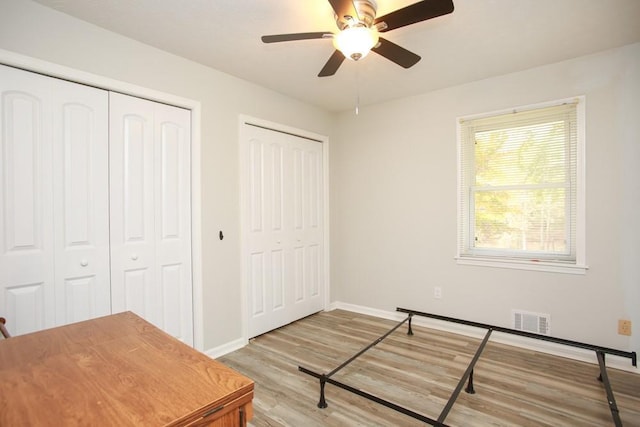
x: 221, y: 350
x: 547, y: 347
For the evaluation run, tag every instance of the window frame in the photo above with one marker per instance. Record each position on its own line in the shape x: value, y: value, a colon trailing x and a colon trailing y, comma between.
x: 494, y: 258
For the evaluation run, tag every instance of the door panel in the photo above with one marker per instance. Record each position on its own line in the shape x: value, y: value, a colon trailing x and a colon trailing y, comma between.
x: 80, y: 299
x: 131, y: 190
x: 137, y: 179
x: 298, y: 271
x: 26, y: 227
x: 314, y: 196
x: 283, y: 213
x: 277, y: 187
x: 256, y: 186
x: 25, y: 307
x: 298, y: 188
x: 81, y: 202
x: 54, y: 196
x: 277, y: 279
x: 55, y: 206
x: 25, y: 171
x: 135, y: 288
x: 171, y: 279
x: 172, y: 187
x: 151, y: 213
x: 257, y: 283
x: 314, y: 269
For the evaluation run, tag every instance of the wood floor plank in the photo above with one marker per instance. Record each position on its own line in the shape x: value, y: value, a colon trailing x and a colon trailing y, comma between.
x: 514, y: 386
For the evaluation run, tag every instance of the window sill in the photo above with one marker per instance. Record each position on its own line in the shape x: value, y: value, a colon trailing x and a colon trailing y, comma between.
x: 534, y: 265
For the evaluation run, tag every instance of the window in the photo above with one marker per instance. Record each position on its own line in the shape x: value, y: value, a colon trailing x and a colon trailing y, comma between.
x: 520, y: 188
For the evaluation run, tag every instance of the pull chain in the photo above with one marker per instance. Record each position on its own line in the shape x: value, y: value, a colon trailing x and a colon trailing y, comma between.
x: 357, y: 88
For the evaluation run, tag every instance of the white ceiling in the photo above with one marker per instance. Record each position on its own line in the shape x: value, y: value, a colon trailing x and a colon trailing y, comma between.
x: 480, y: 39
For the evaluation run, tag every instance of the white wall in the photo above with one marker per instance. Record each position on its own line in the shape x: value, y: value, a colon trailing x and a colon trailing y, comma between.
x: 393, y: 204
x: 39, y: 32
x: 393, y: 175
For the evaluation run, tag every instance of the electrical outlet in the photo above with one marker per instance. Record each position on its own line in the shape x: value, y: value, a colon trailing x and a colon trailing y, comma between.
x: 437, y: 292
x: 624, y: 327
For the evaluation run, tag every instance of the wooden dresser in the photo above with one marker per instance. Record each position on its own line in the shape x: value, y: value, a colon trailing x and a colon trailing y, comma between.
x: 117, y: 370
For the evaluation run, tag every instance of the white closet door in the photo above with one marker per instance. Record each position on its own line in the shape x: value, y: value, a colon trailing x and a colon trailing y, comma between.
x: 81, y: 202
x: 26, y: 218
x: 53, y: 197
x: 284, y: 228
x: 307, y: 226
x: 173, y: 219
x: 150, y: 213
x: 131, y: 190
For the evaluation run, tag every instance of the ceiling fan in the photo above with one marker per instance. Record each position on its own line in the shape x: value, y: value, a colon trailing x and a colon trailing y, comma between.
x: 358, y: 31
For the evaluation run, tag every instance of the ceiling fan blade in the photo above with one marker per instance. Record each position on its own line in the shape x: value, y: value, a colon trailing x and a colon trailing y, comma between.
x: 295, y: 36
x: 395, y: 53
x: 332, y: 64
x: 344, y: 8
x: 416, y: 12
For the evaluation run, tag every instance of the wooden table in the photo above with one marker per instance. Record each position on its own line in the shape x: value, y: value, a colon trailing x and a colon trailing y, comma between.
x: 116, y: 370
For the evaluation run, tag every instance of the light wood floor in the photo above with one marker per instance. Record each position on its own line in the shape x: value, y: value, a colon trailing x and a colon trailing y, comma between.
x: 514, y: 387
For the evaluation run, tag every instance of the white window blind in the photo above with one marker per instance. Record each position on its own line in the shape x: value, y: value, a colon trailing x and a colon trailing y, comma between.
x: 519, y: 185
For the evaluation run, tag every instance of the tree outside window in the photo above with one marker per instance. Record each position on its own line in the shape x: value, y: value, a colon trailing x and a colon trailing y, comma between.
x: 518, y: 185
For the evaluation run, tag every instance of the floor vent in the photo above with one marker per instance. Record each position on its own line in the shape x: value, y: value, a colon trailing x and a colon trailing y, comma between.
x: 531, y: 322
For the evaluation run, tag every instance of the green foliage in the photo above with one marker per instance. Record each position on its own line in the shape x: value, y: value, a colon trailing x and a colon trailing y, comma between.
x: 520, y: 189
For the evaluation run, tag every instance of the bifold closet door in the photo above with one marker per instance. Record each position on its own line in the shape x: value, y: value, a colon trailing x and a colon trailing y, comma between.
x: 284, y: 227
x: 54, y: 225
x: 150, y: 213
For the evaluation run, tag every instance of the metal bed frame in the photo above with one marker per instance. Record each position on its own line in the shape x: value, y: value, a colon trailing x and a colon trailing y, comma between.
x: 468, y: 374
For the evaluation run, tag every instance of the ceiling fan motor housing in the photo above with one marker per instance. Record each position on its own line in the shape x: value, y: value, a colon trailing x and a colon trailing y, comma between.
x: 366, y: 14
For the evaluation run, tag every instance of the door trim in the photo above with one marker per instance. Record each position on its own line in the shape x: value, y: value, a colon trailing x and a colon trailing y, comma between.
x: 243, y: 121
x: 77, y: 76
x: 296, y: 134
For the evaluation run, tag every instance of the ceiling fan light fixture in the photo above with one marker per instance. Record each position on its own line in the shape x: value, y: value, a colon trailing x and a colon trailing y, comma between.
x: 356, y: 42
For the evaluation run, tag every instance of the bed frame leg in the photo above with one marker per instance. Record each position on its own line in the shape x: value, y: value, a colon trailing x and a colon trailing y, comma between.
x: 603, y: 363
x: 470, y: 388
x: 410, y: 331
x: 322, y: 403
